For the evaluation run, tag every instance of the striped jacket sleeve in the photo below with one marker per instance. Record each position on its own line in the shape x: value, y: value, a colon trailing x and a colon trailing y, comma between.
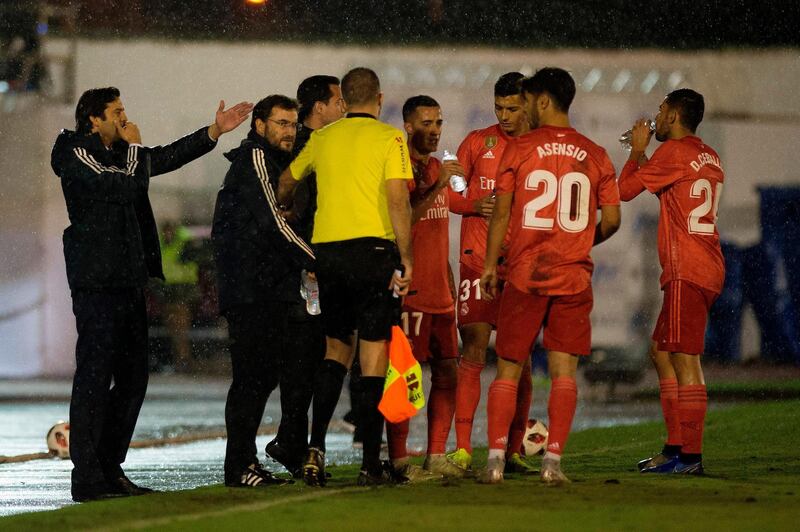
x: 261, y: 201
x: 106, y: 183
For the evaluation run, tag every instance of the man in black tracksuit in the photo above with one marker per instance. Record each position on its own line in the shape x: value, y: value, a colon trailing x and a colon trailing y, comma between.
x: 259, y: 259
x: 320, y: 103
x: 110, y: 249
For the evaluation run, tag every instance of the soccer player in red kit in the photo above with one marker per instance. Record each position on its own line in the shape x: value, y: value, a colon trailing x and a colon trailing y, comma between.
x: 686, y: 176
x: 480, y: 153
x: 428, y: 314
x: 552, y: 182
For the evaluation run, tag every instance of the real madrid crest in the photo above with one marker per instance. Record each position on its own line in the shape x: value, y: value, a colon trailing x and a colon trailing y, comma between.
x: 490, y: 142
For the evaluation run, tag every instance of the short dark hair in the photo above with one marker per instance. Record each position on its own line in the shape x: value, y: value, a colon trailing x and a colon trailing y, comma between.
x: 264, y: 108
x: 312, y: 90
x: 360, y: 86
x: 690, y: 106
x: 93, y: 102
x: 417, y: 101
x: 508, y: 84
x: 556, y: 82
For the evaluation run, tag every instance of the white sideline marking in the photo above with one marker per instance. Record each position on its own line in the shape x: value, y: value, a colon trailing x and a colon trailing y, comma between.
x: 248, y: 507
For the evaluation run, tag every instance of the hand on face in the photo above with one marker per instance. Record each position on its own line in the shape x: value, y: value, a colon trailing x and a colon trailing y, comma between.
x: 128, y: 131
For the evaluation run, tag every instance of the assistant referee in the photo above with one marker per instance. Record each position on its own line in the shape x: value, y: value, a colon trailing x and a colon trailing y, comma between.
x: 362, y: 234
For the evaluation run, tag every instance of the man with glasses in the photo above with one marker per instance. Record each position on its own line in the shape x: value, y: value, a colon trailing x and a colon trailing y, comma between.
x: 321, y: 103
x: 259, y: 257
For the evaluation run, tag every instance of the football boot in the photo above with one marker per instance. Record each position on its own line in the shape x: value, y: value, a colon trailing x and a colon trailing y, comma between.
x: 493, y: 474
x: 516, y: 464
x: 661, y: 464
x: 694, y: 468
x: 552, y: 474
x: 461, y: 458
x: 441, y: 465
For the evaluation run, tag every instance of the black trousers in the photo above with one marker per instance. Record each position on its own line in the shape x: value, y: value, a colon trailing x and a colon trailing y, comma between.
x: 255, y: 333
x: 112, y: 347
x: 303, y: 350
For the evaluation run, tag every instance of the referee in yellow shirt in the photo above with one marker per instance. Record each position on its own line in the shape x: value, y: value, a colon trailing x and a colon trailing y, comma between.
x: 362, y: 234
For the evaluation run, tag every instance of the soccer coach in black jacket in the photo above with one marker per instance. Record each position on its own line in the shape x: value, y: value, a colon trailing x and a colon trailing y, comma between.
x: 111, y: 248
x: 259, y: 258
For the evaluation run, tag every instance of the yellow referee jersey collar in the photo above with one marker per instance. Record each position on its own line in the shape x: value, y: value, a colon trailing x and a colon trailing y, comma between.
x: 361, y: 115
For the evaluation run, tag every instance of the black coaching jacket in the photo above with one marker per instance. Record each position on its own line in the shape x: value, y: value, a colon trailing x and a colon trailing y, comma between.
x: 112, y: 239
x: 259, y: 255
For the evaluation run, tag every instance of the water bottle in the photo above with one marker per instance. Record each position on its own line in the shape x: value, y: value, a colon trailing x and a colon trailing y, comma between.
x: 399, y: 273
x: 457, y: 182
x: 626, y: 138
x: 309, y: 290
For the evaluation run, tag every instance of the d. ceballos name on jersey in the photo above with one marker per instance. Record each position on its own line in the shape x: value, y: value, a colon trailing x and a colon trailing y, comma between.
x: 558, y: 148
x: 703, y: 159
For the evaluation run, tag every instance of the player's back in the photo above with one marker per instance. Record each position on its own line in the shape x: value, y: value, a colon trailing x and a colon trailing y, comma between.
x: 687, y: 176
x: 559, y: 178
x: 352, y: 158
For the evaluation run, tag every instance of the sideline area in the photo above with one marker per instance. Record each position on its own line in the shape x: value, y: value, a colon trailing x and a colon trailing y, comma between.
x: 753, y: 474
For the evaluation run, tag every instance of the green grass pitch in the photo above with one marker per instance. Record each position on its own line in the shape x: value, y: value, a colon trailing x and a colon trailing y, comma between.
x: 752, y: 483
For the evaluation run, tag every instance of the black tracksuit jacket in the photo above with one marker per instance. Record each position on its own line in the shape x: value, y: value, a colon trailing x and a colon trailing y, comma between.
x: 259, y: 255
x: 112, y: 239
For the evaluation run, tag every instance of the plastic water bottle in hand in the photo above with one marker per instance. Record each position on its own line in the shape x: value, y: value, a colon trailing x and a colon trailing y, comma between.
x: 626, y: 138
x: 457, y: 182
x: 309, y: 290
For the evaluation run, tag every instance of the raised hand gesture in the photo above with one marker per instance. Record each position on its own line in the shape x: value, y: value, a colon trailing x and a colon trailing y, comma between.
x: 228, y: 120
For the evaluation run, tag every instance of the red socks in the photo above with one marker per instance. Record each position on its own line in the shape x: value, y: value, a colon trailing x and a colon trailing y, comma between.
x: 501, y: 407
x: 468, y: 394
x: 692, y: 405
x: 520, y: 422
x: 441, y: 406
x: 560, y: 411
x: 396, y: 437
x: 669, y: 406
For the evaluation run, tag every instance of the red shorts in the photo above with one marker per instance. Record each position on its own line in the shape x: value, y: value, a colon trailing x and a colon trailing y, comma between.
x: 681, y: 326
x: 430, y: 335
x: 472, y: 308
x: 567, y: 327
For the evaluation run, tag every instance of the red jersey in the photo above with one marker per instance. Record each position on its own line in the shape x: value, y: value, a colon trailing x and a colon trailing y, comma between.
x: 480, y: 154
x: 559, y: 179
x: 430, y: 238
x: 687, y: 177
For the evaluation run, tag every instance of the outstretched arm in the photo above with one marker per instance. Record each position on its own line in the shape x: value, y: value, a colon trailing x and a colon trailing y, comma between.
x: 167, y: 158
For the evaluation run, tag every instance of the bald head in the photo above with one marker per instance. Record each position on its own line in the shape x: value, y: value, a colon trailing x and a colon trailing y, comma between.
x: 360, y: 86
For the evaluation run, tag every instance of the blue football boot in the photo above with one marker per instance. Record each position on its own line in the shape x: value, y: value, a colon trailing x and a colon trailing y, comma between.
x: 694, y: 468
x: 659, y: 463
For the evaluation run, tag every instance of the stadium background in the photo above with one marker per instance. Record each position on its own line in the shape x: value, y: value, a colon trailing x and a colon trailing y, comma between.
x: 174, y: 60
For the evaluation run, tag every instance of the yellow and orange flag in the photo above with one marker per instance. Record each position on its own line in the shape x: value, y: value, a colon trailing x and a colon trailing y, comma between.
x: 403, y: 396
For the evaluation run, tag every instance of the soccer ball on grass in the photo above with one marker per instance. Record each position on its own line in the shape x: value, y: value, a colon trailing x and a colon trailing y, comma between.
x: 535, y: 440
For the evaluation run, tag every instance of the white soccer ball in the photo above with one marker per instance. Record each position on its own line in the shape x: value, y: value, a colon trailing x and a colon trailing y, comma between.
x: 58, y: 440
x: 535, y: 439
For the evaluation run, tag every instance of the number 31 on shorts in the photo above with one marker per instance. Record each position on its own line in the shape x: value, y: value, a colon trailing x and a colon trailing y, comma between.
x: 466, y: 286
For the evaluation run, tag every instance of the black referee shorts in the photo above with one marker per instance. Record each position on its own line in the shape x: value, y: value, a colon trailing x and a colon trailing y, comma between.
x: 354, y: 292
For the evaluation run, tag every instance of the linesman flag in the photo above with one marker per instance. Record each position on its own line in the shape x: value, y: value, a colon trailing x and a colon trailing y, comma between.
x: 402, y: 391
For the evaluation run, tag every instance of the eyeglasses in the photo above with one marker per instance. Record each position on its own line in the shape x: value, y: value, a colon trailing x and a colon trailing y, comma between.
x: 285, y: 124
